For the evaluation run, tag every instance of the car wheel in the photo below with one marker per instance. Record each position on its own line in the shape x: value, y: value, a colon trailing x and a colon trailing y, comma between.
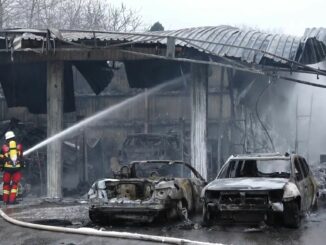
x: 206, y: 216
x: 172, y: 212
x: 270, y: 219
x: 177, y: 211
x: 95, y: 217
x: 291, y: 215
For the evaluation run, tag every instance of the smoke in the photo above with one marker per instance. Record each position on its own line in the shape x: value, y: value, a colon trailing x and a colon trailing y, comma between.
x: 294, y: 115
x: 311, y: 120
x: 98, y: 117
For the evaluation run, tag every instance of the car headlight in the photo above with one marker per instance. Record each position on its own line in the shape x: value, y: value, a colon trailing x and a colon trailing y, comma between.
x: 290, y: 191
x: 163, y: 193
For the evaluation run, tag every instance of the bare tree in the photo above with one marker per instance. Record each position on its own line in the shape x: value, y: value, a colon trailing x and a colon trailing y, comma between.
x: 6, y: 12
x: 1, y: 14
x: 68, y: 14
x: 95, y: 16
x: 122, y: 19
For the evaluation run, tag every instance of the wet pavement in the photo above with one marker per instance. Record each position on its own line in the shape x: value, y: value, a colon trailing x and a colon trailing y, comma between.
x: 74, y: 213
x: 14, y: 235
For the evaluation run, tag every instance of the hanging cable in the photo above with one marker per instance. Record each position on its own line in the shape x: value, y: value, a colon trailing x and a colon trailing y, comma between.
x: 257, y: 113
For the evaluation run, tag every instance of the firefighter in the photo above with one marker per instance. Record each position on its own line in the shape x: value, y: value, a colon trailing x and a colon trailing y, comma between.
x: 12, y: 162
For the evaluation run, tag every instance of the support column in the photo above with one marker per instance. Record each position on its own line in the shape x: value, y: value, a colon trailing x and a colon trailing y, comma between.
x: 146, y: 124
x: 198, y: 97
x: 55, y: 73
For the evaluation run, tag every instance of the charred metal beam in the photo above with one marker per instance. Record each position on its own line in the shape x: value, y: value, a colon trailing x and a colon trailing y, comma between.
x: 73, y: 54
x: 195, y: 61
x: 250, y: 70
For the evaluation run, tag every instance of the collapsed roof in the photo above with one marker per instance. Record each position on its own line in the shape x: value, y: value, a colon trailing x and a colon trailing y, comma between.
x: 225, y: 43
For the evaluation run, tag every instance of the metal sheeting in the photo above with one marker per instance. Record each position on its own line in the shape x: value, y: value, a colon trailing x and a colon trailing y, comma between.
x: 284, y: 46
x: 249, y: 46
x: 315, y: 41
x: 25, y: 85
x: 2, y: 43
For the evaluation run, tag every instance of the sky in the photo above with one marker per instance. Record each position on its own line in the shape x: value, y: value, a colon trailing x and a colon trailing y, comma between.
x: 281, y: 16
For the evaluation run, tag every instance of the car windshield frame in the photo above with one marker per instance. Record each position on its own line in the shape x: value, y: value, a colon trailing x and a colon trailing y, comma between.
x: 240, y: 163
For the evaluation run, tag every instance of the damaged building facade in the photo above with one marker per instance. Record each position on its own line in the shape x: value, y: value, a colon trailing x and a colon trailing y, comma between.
x: 226, y: 80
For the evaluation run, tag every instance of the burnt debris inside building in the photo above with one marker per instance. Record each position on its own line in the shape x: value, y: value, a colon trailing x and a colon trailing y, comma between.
x: 226, y: 84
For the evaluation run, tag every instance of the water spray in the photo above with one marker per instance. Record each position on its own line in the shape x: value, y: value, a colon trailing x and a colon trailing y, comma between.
x: 98, y: 116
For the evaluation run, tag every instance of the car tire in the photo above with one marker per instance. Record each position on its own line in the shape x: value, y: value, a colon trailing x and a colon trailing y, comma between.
x: 270, y: 219
x: 291, y: 215
x: 95, y: 217
x: 207, y: 220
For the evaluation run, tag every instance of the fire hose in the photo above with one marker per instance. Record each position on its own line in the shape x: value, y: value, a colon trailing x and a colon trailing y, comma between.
x: 112, y: 234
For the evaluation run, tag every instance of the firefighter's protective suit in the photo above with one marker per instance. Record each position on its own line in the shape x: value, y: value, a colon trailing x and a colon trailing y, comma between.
x: 11, y: 158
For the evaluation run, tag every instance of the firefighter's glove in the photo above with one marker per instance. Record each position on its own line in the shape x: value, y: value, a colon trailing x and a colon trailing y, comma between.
x: 22, y: 162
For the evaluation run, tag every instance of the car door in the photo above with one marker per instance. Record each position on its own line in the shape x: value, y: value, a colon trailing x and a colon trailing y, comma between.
x: 308, y: 184
x: 300, y: 181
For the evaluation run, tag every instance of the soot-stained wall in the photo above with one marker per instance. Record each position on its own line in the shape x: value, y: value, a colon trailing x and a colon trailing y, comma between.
x: 25, y: 84
x: 149, y: 73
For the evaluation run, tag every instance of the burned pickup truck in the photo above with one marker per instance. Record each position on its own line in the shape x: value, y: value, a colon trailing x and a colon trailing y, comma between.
x: 147, y: 190
x: 261, y: 187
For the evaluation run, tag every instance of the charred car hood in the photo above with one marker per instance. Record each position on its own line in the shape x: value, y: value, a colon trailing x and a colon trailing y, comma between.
x: 247, y: 184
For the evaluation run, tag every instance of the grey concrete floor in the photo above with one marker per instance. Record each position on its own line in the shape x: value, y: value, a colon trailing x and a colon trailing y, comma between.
x: 74, y: 214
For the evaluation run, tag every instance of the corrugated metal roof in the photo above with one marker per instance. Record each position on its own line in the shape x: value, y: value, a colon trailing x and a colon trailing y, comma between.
x: 282, y: 45
x: 250, y: 46
x: 318, y: 33
x: 315, y: 41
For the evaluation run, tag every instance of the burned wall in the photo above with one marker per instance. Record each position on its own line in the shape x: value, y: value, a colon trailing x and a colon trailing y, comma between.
x: 167, y: 112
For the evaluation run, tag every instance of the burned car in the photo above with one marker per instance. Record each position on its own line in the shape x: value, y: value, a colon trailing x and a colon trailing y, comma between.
x: 146, y: 190
x: 261, y: 187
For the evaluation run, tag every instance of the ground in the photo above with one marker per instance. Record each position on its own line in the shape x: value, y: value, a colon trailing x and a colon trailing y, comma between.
x: 73, y: 213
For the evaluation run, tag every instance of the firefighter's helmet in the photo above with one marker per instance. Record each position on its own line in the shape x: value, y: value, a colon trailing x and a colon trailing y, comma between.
x: 9, y: 135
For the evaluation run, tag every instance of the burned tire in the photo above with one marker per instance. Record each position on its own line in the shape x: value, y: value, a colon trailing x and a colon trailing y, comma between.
x: 95, y: 217
x: 291, y: 215
x: 206, y: 219
x: 176, y: 211
x: 270, y: 219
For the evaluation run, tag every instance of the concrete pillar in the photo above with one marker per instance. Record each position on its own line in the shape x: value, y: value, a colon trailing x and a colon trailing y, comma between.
x: 170, y: 47
x: 146, y: 124
x: 55, y: 73
x: 198, y: 97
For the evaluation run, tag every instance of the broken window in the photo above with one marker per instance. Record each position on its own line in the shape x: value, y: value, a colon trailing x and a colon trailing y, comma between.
x: 304, y: 167
x: 257, y: 168
x: 297, y: 169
